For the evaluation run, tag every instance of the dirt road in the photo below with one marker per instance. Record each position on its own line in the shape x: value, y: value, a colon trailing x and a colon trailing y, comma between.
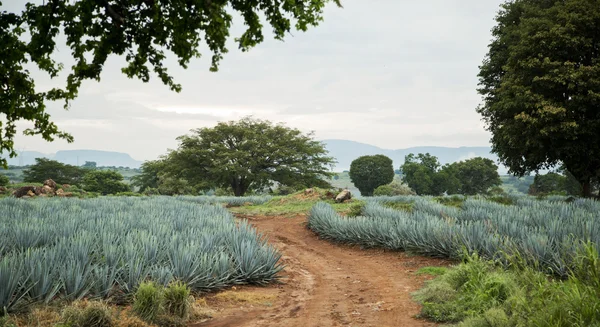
x: 328, y: 284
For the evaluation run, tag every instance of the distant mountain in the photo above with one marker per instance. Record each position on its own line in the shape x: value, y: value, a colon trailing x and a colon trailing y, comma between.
x: 78, y: 157
x: 345, y: 151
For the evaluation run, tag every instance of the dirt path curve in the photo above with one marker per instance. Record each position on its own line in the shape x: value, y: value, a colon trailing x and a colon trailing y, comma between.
x: 328, y: 284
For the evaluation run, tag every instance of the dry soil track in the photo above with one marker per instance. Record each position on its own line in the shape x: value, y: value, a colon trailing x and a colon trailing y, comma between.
x: 327, y: 284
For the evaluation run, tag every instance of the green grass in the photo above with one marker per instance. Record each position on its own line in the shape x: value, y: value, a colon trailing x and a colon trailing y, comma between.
x: 433, y: 271
x: 479, y: 293
x: 297, y: 204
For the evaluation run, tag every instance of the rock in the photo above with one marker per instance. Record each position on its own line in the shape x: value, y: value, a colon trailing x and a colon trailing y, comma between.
x: 30, y: 193
x: 343, y: 196
x: 60, y: 192
x: 3, y: 189
x: 66, y: 186
x: 51, y: 183
x: 66, y: 194
x: 23, y: 191
x: 37, y: 190
x: 47, y: 190
x: 309, y: 191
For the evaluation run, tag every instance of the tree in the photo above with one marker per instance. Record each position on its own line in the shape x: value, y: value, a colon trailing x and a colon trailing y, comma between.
x: 89, y: 164
x: 249, y: 154
x: 104, y: 182
x: 61, y: 173
x: 474, y: 176
x: 4, y: 180
x: 149, y: 175
x: 550, y: 183
x: 144, y: 31
x: 540, y: 84
x: 369, y: 172
x: 419, y: 173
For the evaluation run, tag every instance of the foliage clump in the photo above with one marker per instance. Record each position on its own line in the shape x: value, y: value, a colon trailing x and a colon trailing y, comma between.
x: 479, y: 293
x: 394, y: 188
x: 369, y: 172
x: 87, y: 314
x: 539, y: 83
x: 426, y: 176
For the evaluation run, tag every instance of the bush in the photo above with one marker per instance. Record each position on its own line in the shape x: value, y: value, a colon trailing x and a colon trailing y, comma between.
x: 151, y: 191
x: 147, y: 301
x: 395, y: 188
x: 177, y: 300
x: 87, y: 314
x: 104, y: 182
x: 4, y: 180
x: 481, y: 293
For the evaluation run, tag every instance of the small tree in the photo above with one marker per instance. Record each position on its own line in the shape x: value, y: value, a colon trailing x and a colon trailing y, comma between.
x: 149, y: 175
x: 104, y: 182
x: 474, y: 176
x: 419, y: 173
x: 4, y: 180
x: 61, y: 173
x: 89, y: 164
x: 369, y: 172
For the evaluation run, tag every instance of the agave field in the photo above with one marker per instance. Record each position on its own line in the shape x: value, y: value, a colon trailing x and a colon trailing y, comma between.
x: 99, y: 248
x: 546, y: 233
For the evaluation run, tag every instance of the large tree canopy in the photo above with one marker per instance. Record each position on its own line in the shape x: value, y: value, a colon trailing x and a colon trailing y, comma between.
x: 541, y: 87
x: 144, y: 31
x: 249, y: 154
x: 369, y: 172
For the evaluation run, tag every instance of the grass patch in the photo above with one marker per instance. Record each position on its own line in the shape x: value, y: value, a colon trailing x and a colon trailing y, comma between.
x: 402, y: 206
x: 433, y: 271
x: 452, y: 201
x: 298, y: 203
x: 479, y: 293
x: 245, y: 297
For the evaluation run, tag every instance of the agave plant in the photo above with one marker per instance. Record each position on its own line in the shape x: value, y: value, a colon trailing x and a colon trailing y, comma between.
x: 541, y: 232
x: 12, y: 277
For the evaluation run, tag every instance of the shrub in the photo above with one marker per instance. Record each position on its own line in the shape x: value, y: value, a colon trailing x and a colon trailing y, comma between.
x: 4, y: 180
x: 151, y: 191
x: 87, y: 314
x: 177, y: 300
x: 395, y: 188
x: 147, y: 302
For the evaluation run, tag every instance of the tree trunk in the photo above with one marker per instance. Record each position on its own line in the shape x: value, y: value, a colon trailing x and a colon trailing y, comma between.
x: 238, y: 187
x: 587, y: 188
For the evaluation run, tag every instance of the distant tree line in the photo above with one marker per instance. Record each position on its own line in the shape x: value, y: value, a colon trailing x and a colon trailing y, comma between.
x: 87, y: 177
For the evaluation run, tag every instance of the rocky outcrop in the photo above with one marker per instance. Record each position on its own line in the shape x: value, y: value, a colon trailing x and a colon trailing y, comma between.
x: 49, y: 189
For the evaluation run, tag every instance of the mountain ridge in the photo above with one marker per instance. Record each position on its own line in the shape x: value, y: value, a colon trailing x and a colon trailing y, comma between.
x: 345, y: 151
x: 78, y: 158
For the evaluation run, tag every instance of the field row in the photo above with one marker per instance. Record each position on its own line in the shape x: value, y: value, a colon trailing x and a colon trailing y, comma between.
x: 545, y: 233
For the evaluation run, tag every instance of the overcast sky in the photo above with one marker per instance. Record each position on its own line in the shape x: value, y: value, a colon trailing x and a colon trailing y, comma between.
x: 391, y: 73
